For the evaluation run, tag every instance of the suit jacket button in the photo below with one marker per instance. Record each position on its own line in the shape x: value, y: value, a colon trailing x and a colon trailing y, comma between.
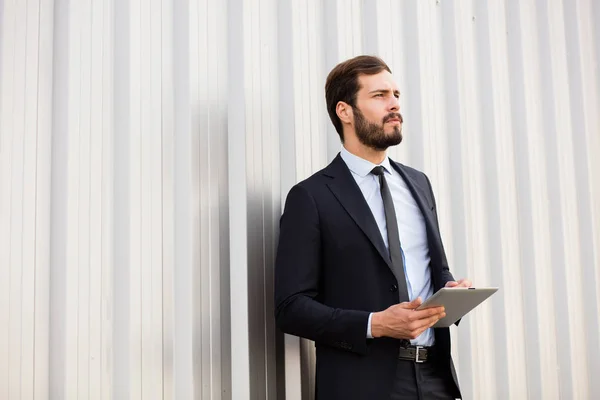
x: 394, y: 288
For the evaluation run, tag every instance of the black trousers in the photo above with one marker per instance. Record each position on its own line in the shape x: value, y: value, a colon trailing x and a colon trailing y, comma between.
x: 423, y: 381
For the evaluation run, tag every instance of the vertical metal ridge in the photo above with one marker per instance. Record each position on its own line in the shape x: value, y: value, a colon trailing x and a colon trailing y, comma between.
x: 454, y: 197
x: 205, y: 170
x: 57, y: 320
x: 73, y: 188
x: 185, y: 195
x: 41, y: 350
x: 223, y: 269
x: 475, y: 246
x: 543, y: 322
x: 6, y: 138
x: 17, y: 177
x: 96, y: 149
x: 196, y: 76
x: 582, y: 82
x: 413, y: 32
x: 167, y: 193
x: 557, y: 129
x: 83, y: 152
x: 136, y: 217
x: 238, y: 182
x: 502, y: 198
x: 269, y: 189
x: 106, y: 313
x: 437, y: 138
x: 30, y: 193
x: 121, y: 66
x: 394, y: 48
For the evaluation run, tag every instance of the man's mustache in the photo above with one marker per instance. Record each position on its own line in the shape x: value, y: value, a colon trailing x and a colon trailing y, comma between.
x: 393, y: 115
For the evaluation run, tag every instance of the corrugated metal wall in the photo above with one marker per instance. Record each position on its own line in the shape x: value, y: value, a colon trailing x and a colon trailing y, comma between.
x: 146, y: 148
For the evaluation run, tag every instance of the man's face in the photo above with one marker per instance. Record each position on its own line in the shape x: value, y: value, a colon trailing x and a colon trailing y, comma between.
x: 377, y: 118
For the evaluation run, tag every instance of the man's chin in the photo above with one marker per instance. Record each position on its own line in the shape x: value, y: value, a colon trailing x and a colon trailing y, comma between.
x: 385, y: 145
x: 394, y: 136
x: 395, y: 140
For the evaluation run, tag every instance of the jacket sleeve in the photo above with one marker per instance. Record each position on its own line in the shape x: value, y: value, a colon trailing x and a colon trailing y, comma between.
x: 298, y: 268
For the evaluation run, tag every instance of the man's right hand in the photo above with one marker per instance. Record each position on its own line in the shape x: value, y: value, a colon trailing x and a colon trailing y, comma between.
x: 402, y: 321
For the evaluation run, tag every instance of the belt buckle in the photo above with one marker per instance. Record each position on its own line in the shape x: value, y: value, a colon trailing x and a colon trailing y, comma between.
x: 417, y: 359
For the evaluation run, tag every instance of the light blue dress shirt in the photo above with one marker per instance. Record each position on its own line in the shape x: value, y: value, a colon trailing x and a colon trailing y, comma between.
x: 411, y: 226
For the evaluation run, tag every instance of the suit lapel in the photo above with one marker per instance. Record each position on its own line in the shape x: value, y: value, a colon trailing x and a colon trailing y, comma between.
x: 422, y: 200
x: 347, y: 192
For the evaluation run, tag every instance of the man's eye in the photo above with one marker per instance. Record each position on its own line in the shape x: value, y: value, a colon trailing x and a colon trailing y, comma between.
x: 379, y: 95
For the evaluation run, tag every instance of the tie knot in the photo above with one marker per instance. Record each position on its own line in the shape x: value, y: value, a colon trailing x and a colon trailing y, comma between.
x: 378, y: 170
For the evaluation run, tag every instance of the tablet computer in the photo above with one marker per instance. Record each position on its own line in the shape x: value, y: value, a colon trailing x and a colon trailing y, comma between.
x: 457, y: 302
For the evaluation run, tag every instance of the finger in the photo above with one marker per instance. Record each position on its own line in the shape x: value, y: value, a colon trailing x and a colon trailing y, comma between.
x: 451, y: 284
x: 432, y: 323
x: 464, y: 283
x: 426, y: 323
x: 411, y: 305
x: 428, y: 312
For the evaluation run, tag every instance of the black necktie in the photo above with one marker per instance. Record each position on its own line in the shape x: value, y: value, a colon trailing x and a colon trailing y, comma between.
x: 393, y: 234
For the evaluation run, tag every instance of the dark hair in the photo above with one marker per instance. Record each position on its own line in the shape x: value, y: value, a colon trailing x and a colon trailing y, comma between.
x: 342, y: 84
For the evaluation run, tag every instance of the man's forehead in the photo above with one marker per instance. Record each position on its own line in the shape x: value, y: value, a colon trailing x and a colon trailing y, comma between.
x: 382, y: 80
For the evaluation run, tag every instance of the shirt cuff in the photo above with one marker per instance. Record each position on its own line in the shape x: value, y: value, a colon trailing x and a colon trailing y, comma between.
x: 369, y: 335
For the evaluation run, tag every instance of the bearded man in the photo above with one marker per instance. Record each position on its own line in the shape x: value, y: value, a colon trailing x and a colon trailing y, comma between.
x: 360, y: 249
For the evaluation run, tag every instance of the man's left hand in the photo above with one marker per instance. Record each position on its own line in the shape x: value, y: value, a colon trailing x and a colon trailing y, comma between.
x: 460, y: 283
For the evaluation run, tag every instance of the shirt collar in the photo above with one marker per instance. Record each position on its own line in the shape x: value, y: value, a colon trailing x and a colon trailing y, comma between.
x: 360, y: 166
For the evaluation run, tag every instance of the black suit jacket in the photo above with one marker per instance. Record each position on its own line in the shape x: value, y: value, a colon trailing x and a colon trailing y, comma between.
x: 333, y: 269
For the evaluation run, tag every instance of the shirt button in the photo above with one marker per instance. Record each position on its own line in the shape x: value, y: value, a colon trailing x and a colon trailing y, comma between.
x: 394, y: 288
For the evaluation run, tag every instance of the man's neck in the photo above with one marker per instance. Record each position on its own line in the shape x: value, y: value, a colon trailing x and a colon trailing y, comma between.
x: 366, y: 153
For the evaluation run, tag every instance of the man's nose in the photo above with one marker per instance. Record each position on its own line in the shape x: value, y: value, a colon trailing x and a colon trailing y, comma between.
x: 394, y: 104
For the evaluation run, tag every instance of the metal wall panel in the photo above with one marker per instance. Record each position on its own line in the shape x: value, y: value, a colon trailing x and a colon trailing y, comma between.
x: 147, y: 147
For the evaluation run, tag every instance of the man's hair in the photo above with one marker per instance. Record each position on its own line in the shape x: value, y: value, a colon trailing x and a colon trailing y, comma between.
x: 342, y: 84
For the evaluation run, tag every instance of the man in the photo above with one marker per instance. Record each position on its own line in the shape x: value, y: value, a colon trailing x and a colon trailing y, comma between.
x: 360, y: 249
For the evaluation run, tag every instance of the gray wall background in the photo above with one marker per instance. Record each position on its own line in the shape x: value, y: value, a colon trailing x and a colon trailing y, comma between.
x: 147, y: 146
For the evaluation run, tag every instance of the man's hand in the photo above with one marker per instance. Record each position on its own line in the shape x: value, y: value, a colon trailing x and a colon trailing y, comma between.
x: 402, y: 321
x: 459, y: 283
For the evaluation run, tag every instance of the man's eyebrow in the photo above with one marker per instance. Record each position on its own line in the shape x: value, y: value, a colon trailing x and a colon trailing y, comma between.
x: 383, y: 91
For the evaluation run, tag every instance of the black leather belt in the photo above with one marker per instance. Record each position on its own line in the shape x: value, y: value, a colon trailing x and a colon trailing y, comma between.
x: 418, y: 354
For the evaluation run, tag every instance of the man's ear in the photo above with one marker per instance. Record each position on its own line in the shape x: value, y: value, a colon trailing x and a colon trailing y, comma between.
x: 344, y: 112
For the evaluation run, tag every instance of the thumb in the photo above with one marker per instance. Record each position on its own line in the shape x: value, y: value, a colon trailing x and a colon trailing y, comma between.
x: 411, y: 305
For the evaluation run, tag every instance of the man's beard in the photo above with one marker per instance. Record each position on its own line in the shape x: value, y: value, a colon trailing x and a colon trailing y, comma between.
x: 373, y: 135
